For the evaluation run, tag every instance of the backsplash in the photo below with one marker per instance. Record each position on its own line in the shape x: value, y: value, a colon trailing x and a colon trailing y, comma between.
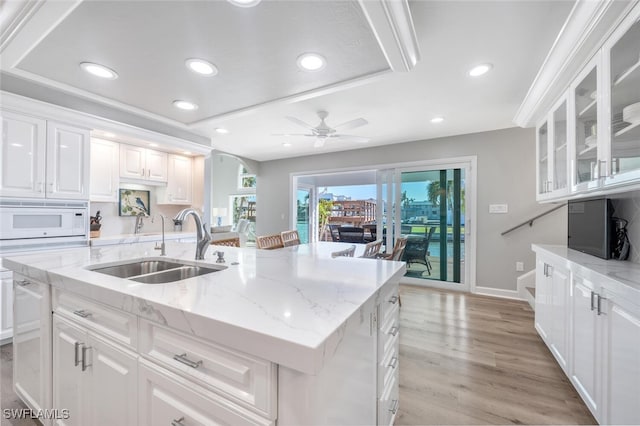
x: 629, y: 209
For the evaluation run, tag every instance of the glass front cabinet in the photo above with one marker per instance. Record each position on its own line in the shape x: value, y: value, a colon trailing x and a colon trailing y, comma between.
x: 590, y: 140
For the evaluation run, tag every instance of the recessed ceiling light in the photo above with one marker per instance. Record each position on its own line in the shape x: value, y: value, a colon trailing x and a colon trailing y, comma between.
x: 479, y: 70
x: 17, y: 145
x: 311, y: 62
x: 437, y: 120
x: 99, y: 70
x: 222, y: 130
x: 185, y: 105
x: 201, y: 66
x: 153, y: 144
x: 244, y: 3
x: 286, y: 144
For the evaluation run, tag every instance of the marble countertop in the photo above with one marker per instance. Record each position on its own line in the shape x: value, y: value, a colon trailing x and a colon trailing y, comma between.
x: 290, y: 306
x: 622, y: 277
x: 139, y: 238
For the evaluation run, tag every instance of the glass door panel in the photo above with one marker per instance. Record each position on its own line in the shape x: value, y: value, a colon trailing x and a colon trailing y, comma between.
x: 586, y: 99
x: 625, y: 102
x: 432, y: 217
x: 560, y: 147
x: 543, y: 159
x: 303, y: 219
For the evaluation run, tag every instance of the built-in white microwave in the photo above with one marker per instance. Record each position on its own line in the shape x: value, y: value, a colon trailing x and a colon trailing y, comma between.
x: 25, y: 220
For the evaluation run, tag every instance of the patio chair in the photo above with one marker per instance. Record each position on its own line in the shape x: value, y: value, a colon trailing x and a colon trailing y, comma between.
x: 398, y: 250
x: 269, y: 242
x: 372, y: 249
x: 333, y: 229
x: 228, y: 242
x: 351, y: 234
x: 290, y: 238
x: 417, y: 249
x: 349, y: 252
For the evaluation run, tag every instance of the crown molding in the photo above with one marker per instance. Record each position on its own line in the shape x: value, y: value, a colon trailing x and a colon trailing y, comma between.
x: 392, y: 25
x: 587, y: 27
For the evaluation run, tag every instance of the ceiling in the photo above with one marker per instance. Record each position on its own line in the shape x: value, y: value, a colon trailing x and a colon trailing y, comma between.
x: 258, y: 84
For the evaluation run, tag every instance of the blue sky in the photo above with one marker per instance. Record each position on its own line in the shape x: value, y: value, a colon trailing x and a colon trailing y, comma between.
x: 415, y: 190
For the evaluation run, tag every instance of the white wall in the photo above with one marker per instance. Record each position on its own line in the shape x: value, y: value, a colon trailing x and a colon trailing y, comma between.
x: 506, y: 174
x: 224, y: 171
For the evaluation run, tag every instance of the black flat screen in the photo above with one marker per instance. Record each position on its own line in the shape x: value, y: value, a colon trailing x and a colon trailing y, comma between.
x: 590, y: 226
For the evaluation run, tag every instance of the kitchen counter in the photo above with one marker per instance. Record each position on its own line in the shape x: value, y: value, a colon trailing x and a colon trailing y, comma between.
x: 143, y: 237
x: 291, y: 306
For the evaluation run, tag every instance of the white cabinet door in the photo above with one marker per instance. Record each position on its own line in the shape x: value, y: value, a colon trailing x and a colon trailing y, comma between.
x: 113, y: 371
x: 69, y: 381
x: 105, y: 175
x: 543, y: 321
x: 132, y: 162
x: 32, y: 342
x: 584, y: 362
x: 156, y: 165
x: 67, y: 162
x: 179, y: 188
x: 22, y: 155
x: 560, y: 315
x: 6, y: 305
x: 623, y: 364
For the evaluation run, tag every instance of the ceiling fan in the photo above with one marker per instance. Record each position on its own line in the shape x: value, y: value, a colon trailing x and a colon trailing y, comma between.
x: 322, y: 131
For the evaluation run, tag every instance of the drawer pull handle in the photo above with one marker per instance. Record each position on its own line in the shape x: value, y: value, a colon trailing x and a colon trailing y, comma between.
x: 394, y: 330
x: 23, y: 283
x: 84, y: 358
x: 177, y: 422
x: 393, y: 300
x: 82, y: 313
x: 593, y: 296
x: 394, y: 362
x: 186, y: 361
x: 394, y: 406
x: 600, y: 299
x: 76, y: 358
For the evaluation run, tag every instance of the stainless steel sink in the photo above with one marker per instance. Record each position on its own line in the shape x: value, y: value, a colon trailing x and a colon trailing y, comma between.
x: 154, y: 271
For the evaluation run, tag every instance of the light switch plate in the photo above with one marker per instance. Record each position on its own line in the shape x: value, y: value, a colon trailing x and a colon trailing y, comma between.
x: 498, y: 208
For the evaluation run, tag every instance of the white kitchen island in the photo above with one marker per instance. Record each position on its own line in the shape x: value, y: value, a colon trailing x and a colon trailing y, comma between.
x: 289, y: 336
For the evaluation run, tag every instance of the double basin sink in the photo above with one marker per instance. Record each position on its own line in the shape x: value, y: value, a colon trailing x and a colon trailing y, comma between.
x: 156, y: 271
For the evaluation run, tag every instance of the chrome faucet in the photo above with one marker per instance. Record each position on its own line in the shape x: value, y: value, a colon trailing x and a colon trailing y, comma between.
x: 162, y: 248
x: 139, y: 223
x: 202, y: 234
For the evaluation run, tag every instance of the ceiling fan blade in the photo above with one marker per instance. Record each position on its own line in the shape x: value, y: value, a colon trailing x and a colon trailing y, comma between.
x: 292, y: 134
x: 299, y: 122
x: 351, y: 138
x: 352, y: 124
x: 319, y: 143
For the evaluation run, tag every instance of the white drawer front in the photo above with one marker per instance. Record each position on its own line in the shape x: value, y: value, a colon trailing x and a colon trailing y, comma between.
x: 388, y: 403
x: 389, y: 303
x: 249, y: 381
x: 111, y: 322
x: 167, y: 399
x: 389, y: 364
x: 389, y: 331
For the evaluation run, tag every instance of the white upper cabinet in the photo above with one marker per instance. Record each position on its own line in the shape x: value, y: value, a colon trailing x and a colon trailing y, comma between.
x: 143, y: 164
x: 622, y: 77
x: 67, y: 162
x: 552, y: 153
x: 23, y: 155
x: 105, y: 175
x: 43, y: 159
x: 179, y: 189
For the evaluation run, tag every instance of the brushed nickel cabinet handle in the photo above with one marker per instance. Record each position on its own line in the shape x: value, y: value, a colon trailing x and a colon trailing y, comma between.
x: 393, y: 300
x: 82, y: 313
x: 394, y: 362
x: 394, y: 330
x: 143, y: 172
x: 76, y: 358
x: 593, y: 304
x: 600, y: 299
x: 394, y: 406
x: 186, y: 361
x: 84, y: 357
x: 23, y: 283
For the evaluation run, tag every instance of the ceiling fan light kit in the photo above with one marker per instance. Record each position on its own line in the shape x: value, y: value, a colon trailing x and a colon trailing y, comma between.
x: 323, y: 131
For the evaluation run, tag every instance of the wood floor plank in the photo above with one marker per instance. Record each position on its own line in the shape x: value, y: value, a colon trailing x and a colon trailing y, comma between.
x: 468, y: 359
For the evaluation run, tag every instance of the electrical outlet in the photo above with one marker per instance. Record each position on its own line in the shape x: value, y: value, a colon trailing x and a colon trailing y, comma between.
x: 519, y: 266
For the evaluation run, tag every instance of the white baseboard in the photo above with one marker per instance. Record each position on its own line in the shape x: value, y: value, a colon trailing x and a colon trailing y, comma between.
x: 498, y: 292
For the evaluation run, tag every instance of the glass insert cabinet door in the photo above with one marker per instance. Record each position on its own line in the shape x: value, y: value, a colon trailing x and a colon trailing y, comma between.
x: 585, y: 96
x: 559, y: 177
x: 624, y: 80
x: 543, y: 159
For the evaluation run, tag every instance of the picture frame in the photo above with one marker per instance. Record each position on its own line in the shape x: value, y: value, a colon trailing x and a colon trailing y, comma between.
x: 133, y: 202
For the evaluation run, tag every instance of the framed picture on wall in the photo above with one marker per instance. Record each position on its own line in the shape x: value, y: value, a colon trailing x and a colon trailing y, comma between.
x: 134, y: 202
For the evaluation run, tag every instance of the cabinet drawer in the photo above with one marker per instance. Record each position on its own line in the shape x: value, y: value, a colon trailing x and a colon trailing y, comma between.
x: 248, y: 381
x: 389, y: 331
x: 388, y: 404
x: 111, y: 322
x: 388, y: 367
x: 389, y: 303
x: 167, y: 399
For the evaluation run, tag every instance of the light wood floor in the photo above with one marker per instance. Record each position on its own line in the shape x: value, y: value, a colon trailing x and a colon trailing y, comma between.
x: 464, y: 360
x: 469, y: 360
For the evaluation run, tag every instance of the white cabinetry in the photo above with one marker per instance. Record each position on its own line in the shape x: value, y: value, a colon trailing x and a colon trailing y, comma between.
x: 43, y: 159
x: 143, y: 164
x: 552, y: 153
x: 388, y: 357
x: 179, y: 189
x: 6, y: 305
x: 92, y: 376
x: 105, y: 175
x: 32, y: 342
